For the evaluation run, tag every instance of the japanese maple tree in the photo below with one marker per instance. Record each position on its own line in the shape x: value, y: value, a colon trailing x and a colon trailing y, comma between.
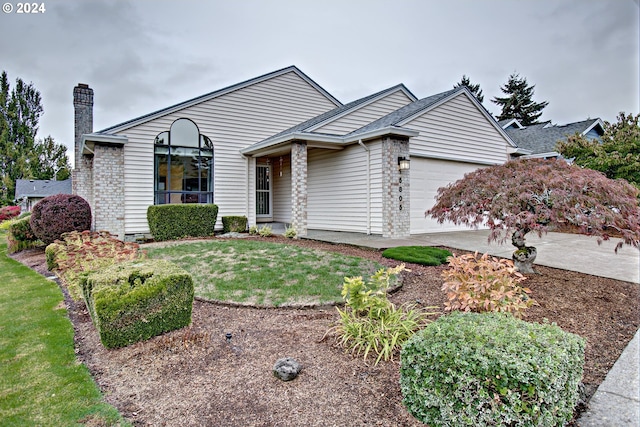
x: 537, y: 195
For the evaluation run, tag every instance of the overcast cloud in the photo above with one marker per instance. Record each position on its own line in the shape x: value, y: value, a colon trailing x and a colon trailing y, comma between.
x: 140, y: 56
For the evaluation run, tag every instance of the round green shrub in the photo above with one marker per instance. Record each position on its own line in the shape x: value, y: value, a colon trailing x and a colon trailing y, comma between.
x: 488, y: 369
x: 425, y: 255
x: 58, y: 214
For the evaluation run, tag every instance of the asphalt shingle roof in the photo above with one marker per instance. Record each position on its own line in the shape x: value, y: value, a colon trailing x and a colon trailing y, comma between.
x: 543, y: 137
x: 403, y: 113
x: 304, y: 126
x: 41, y: 188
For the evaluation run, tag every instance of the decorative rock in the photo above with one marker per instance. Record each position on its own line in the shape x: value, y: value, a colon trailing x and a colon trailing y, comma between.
x: 286, y: 369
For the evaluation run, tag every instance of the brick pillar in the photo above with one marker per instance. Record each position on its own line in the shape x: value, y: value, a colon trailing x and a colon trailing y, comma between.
x: 108, y: 172
x: 396, y: 212
x: 299, y: 187
x: 82, y: 175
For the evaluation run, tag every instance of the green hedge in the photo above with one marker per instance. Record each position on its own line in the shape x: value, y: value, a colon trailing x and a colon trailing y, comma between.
x: 20, y: 236
x: 471, y: 369
x: 236, y: 224
x: 171, y: 222
x: 136, y: 300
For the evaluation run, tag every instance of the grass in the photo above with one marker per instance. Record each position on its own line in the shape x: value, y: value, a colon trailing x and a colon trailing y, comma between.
x: 262, y: 273
x: 425, y: 255
x: 41, y: 382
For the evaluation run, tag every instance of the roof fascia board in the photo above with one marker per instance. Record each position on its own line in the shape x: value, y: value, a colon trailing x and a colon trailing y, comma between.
x: 89, y: 141
x: 327, y: 141
x: 215, y: 94
x: 451, y: 159
x: 467, y: 93
x: 384, y: 94
x: 595, y: 123
x: 513, y: 121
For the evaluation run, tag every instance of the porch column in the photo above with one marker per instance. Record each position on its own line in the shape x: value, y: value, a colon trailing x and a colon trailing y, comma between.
x: 396, y: 212
x: 299, y: 187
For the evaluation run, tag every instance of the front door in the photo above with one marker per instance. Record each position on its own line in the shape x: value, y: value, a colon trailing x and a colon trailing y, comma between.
x: 263, y: 191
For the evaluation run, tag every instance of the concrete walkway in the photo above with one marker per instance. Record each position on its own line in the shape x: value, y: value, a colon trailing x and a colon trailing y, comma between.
x: 616, y: 403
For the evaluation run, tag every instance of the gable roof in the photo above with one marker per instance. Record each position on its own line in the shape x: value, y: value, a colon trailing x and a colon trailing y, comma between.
x: 324, y: 118
x: 404, y: 115
x: 391, y: 124
x: 542, y: 138
x: 211, y: 95
x: 41, y: 188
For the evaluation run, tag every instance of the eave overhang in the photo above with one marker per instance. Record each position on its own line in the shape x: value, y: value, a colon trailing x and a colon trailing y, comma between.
x: 90, y: 140
x: 316, y: 140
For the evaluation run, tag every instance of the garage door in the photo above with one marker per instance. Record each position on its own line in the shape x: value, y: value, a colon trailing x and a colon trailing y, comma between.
x: 427, y: 175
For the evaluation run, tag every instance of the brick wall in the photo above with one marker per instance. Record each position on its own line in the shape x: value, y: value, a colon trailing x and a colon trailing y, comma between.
x: 108, y: 189
x: 299, y: 187
x: 396, y: 218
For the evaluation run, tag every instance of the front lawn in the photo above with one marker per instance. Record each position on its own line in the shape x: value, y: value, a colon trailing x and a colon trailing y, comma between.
x: 263, y: 273
x: 41, y: 382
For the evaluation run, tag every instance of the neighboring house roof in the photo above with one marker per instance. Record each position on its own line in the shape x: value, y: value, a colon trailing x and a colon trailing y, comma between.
x: 41, y: 188
x: 542, y: 138
x: 206, y: 97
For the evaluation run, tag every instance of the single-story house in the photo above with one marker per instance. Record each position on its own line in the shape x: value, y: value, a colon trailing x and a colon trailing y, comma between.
x: 541, y: 139
x: 31, y: 191
x: 280, y: 148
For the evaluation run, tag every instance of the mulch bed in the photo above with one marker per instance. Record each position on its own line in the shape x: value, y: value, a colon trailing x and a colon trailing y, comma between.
x: 195, y: 376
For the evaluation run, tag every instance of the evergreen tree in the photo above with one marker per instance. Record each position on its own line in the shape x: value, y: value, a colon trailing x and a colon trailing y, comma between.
x: 518, y: 104
x: 21, y: 155
x: 475, y: 89
x: 616, y: 154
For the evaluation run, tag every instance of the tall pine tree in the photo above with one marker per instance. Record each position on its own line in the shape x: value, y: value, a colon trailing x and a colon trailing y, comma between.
x: 475, y: 89
x: 518, y: 104
x: 21, y: 155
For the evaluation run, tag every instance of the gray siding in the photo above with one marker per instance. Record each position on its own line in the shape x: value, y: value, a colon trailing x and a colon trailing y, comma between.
x: 366, y: 114
x: 458, y: 130
x: 281, y: 189
x: 233, y: 121
x: 337, y: 189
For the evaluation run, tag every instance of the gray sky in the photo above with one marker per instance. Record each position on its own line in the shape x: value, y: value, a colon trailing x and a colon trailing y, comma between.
x: 140, y: 56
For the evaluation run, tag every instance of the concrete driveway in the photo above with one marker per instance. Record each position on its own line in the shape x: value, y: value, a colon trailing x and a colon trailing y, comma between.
x: 573, y: 252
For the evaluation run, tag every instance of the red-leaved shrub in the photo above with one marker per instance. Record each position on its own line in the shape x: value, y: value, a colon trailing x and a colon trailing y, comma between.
x: 58, y: 214
x: 9, y: 212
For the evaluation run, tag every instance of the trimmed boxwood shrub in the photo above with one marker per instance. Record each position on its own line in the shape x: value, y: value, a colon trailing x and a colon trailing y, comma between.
x: 488, y: 369
x: 58, y: 214
x: 425, y: 255
x: 236, y: 224
x: 20, y: 236
x: 171, y: 222
x: 136, y: 300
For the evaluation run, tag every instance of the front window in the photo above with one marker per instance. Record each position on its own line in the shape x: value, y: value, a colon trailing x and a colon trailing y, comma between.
x: 183, y: 165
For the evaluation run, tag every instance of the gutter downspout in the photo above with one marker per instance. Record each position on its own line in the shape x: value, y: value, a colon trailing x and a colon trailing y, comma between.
x: 248, y: 159
x: 368, y: 185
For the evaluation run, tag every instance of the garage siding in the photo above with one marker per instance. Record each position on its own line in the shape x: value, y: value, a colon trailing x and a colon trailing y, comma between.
x: 458, y: 130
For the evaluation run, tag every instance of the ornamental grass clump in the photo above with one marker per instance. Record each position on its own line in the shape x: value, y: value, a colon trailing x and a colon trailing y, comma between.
x: 485, y: 284
x: 489, y: 369
x: 370, y: 322
x: 79, y: 253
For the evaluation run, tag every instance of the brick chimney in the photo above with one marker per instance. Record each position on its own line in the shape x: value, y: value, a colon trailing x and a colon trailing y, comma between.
x: 83, y: 111
x: 82, y: 174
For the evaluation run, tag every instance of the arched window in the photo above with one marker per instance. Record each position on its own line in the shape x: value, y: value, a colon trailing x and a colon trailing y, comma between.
x: 183, y: 165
